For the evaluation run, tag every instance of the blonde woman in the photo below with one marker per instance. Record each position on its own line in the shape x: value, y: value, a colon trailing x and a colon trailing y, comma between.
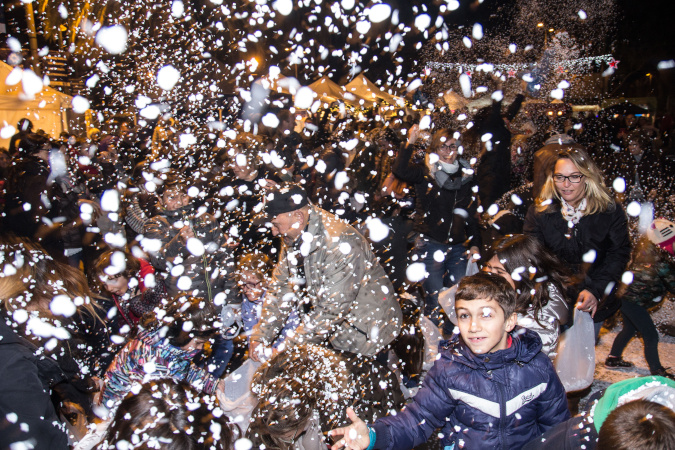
x: 578, y: 220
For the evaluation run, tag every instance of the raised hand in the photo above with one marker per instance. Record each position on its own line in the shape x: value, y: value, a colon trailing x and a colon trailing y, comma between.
x: 355, y: 436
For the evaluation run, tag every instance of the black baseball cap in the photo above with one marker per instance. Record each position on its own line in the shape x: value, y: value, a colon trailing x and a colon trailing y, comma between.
x: 285, y: 198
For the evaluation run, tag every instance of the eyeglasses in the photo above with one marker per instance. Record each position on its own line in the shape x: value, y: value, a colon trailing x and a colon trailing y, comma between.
x: 576, y: 178
x: 250, y: 285
x: 449, y: 146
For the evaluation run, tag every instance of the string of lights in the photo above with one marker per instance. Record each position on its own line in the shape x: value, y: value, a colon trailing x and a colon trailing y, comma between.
x: 578, y: 65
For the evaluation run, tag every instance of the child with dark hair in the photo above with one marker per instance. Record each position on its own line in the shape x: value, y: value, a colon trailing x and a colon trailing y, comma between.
x: 540, y: 281
x: 653, y: 269
x: 633, y: 413
x: 165, y: 345
x: 490, y: 388
x: 638, y: 424
x: 134, y: 286
x: 168, y: 415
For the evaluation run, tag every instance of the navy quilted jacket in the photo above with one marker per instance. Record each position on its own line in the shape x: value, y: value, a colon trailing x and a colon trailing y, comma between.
x: 497, y: 400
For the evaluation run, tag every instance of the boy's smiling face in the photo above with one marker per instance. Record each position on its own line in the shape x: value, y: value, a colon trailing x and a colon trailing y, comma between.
x: 482, y: 325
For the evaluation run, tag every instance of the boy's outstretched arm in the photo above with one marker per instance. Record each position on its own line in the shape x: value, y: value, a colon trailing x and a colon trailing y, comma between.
x: 355, y: 436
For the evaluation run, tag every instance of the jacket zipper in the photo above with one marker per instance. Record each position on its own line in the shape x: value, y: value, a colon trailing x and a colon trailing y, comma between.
x: 502, y: 416
x: 452, y: 217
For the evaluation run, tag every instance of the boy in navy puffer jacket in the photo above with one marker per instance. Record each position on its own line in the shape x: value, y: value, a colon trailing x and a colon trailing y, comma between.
x: 491, y: 386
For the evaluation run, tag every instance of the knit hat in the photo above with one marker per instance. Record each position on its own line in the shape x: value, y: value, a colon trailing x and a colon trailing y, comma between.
x: 662, y: 233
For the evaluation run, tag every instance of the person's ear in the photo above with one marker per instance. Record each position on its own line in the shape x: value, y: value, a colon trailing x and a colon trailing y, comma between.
x: 511, y: 322
x: 299, y: 216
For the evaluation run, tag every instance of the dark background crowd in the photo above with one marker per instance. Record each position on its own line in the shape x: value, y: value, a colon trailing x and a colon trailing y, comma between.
x: 120, y: 224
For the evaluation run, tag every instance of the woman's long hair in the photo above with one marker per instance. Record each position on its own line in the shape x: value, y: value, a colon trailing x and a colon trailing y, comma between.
x: 532, y: 268
x: 32, y: 280
x: 598, y: 197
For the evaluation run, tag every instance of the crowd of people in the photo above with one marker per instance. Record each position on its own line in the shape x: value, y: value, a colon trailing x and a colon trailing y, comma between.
x: 388, y: 280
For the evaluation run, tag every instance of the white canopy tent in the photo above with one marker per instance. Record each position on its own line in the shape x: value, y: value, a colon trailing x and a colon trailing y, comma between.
x: 365, y: 88
x: 329, y: 91
x: 46, y: 109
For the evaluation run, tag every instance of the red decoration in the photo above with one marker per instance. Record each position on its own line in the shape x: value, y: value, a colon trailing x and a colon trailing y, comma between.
x: 512, y: 73
x: 614, y: 63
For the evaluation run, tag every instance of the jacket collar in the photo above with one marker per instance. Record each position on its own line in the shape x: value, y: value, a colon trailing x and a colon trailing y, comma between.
x: 315, y: 227
x: 464, y: 166
x: 524, y: 347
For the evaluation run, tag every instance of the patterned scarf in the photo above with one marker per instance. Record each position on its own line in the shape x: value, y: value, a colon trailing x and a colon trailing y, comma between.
x: 571, y: 214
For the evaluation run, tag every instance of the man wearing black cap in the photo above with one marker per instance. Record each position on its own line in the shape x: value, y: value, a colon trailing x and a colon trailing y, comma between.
x: 329, y: 275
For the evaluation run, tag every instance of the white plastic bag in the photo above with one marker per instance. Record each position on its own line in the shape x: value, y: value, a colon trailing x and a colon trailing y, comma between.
x: 471, y: 267
x: 446, y: 299
x: 237, y: 400
x: 575, y: 362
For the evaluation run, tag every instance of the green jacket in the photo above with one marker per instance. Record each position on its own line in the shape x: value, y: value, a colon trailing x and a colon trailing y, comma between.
x: 646, y: 388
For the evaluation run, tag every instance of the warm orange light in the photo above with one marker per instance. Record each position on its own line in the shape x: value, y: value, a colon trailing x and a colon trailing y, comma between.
x: 540, y: 24
x: 551, y: 30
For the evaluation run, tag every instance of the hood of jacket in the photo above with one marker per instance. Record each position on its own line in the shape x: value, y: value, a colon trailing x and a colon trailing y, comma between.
x: 654, y: 389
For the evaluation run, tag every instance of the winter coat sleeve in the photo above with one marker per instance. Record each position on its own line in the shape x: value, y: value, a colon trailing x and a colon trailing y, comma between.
x: 514, y: 107
x: 552, y: 406
x: 120, y: 374
x: 428, y: 411
x: 134, y: 216
x: 201, y: 379
x: 158, y: 229
x: 473, y: 230
x: 405, y: 170
x: 531, y: 227
x: 666, y: 272
x: 22, y: 393
x: 547, y: 324
x: 617, y: 255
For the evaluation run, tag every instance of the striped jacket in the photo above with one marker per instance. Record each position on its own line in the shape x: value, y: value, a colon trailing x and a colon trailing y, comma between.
x: 150, y: 356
